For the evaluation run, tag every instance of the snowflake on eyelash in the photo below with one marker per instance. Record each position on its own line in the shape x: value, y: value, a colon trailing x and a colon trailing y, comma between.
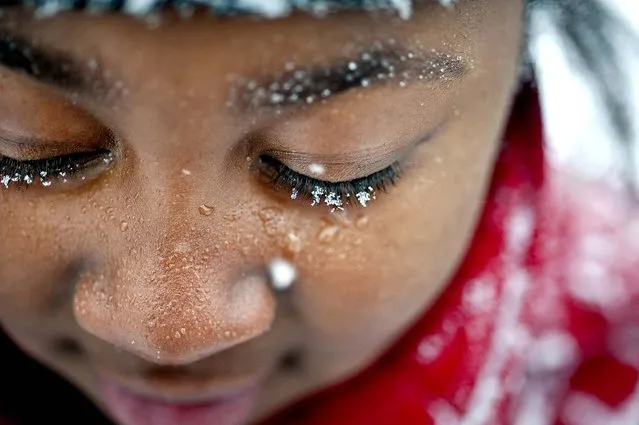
x: 317, y: 195
x: 333, y: 199
x: 364, y: 198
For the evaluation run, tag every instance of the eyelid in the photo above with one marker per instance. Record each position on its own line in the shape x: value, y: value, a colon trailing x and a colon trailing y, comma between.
x: 28, y: 149
x: 22, y: 148
x: 337, y: 168
x: 348, y: 165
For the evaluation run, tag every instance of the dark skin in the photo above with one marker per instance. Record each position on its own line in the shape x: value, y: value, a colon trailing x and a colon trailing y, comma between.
x: 154, y: 264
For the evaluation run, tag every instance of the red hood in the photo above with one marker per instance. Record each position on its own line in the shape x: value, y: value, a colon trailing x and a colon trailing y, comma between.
x: 540, y: 326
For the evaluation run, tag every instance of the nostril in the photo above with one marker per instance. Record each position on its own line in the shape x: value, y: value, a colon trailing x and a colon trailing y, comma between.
x: 292, y: 360
x: 68, y: 347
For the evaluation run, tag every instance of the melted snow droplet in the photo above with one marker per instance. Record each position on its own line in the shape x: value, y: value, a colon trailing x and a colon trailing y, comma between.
x: 362, y: 222
x: 328, y: 234
x: 206, y: 210
x: 293, y: 243
x: 316, y: 169
x: 269, y: 213
x: 281, y: 274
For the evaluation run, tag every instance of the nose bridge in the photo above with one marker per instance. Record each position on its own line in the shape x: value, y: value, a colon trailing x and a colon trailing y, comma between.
x: 176, y: 300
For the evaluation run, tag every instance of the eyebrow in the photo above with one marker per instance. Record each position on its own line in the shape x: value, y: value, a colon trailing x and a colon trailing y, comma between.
x: 46, y: 65
x: 378, y: 65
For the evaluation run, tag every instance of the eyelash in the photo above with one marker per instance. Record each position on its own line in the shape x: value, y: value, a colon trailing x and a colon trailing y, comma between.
x: 336, y: 194
x: 61, y: 168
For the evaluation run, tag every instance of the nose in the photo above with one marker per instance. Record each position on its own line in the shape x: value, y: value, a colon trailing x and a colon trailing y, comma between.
x: 174, y: 316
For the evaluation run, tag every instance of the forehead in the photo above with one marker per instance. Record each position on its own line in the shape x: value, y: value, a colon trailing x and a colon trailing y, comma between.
x: 267, y: 8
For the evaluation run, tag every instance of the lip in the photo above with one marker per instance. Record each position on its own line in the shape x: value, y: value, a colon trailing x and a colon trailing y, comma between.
x: 220, y: 407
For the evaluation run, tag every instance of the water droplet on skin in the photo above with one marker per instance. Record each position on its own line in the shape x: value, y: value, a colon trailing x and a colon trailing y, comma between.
x: 124, y: 226
x: 362, y: 222
x: 186, y: 172
x: 328, y: 234
x: 206, y: 210
x: 341, y: 218
x: 269, y: 213
x: 293, y: 243
x: 231, y: 217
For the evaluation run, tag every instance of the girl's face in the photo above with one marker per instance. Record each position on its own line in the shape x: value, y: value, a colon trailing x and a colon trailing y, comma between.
x: 159, y: 161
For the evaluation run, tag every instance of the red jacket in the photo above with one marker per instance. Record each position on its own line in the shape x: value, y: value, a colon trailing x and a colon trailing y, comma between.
x: 540, y: 325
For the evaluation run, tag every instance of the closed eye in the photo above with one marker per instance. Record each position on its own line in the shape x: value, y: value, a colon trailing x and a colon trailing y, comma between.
x: 358, y: 192
x: 45, y: 171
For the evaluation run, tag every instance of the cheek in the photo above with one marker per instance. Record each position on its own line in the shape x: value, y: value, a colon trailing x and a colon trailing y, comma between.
x: 377, y: 268
x: 40, y: 244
